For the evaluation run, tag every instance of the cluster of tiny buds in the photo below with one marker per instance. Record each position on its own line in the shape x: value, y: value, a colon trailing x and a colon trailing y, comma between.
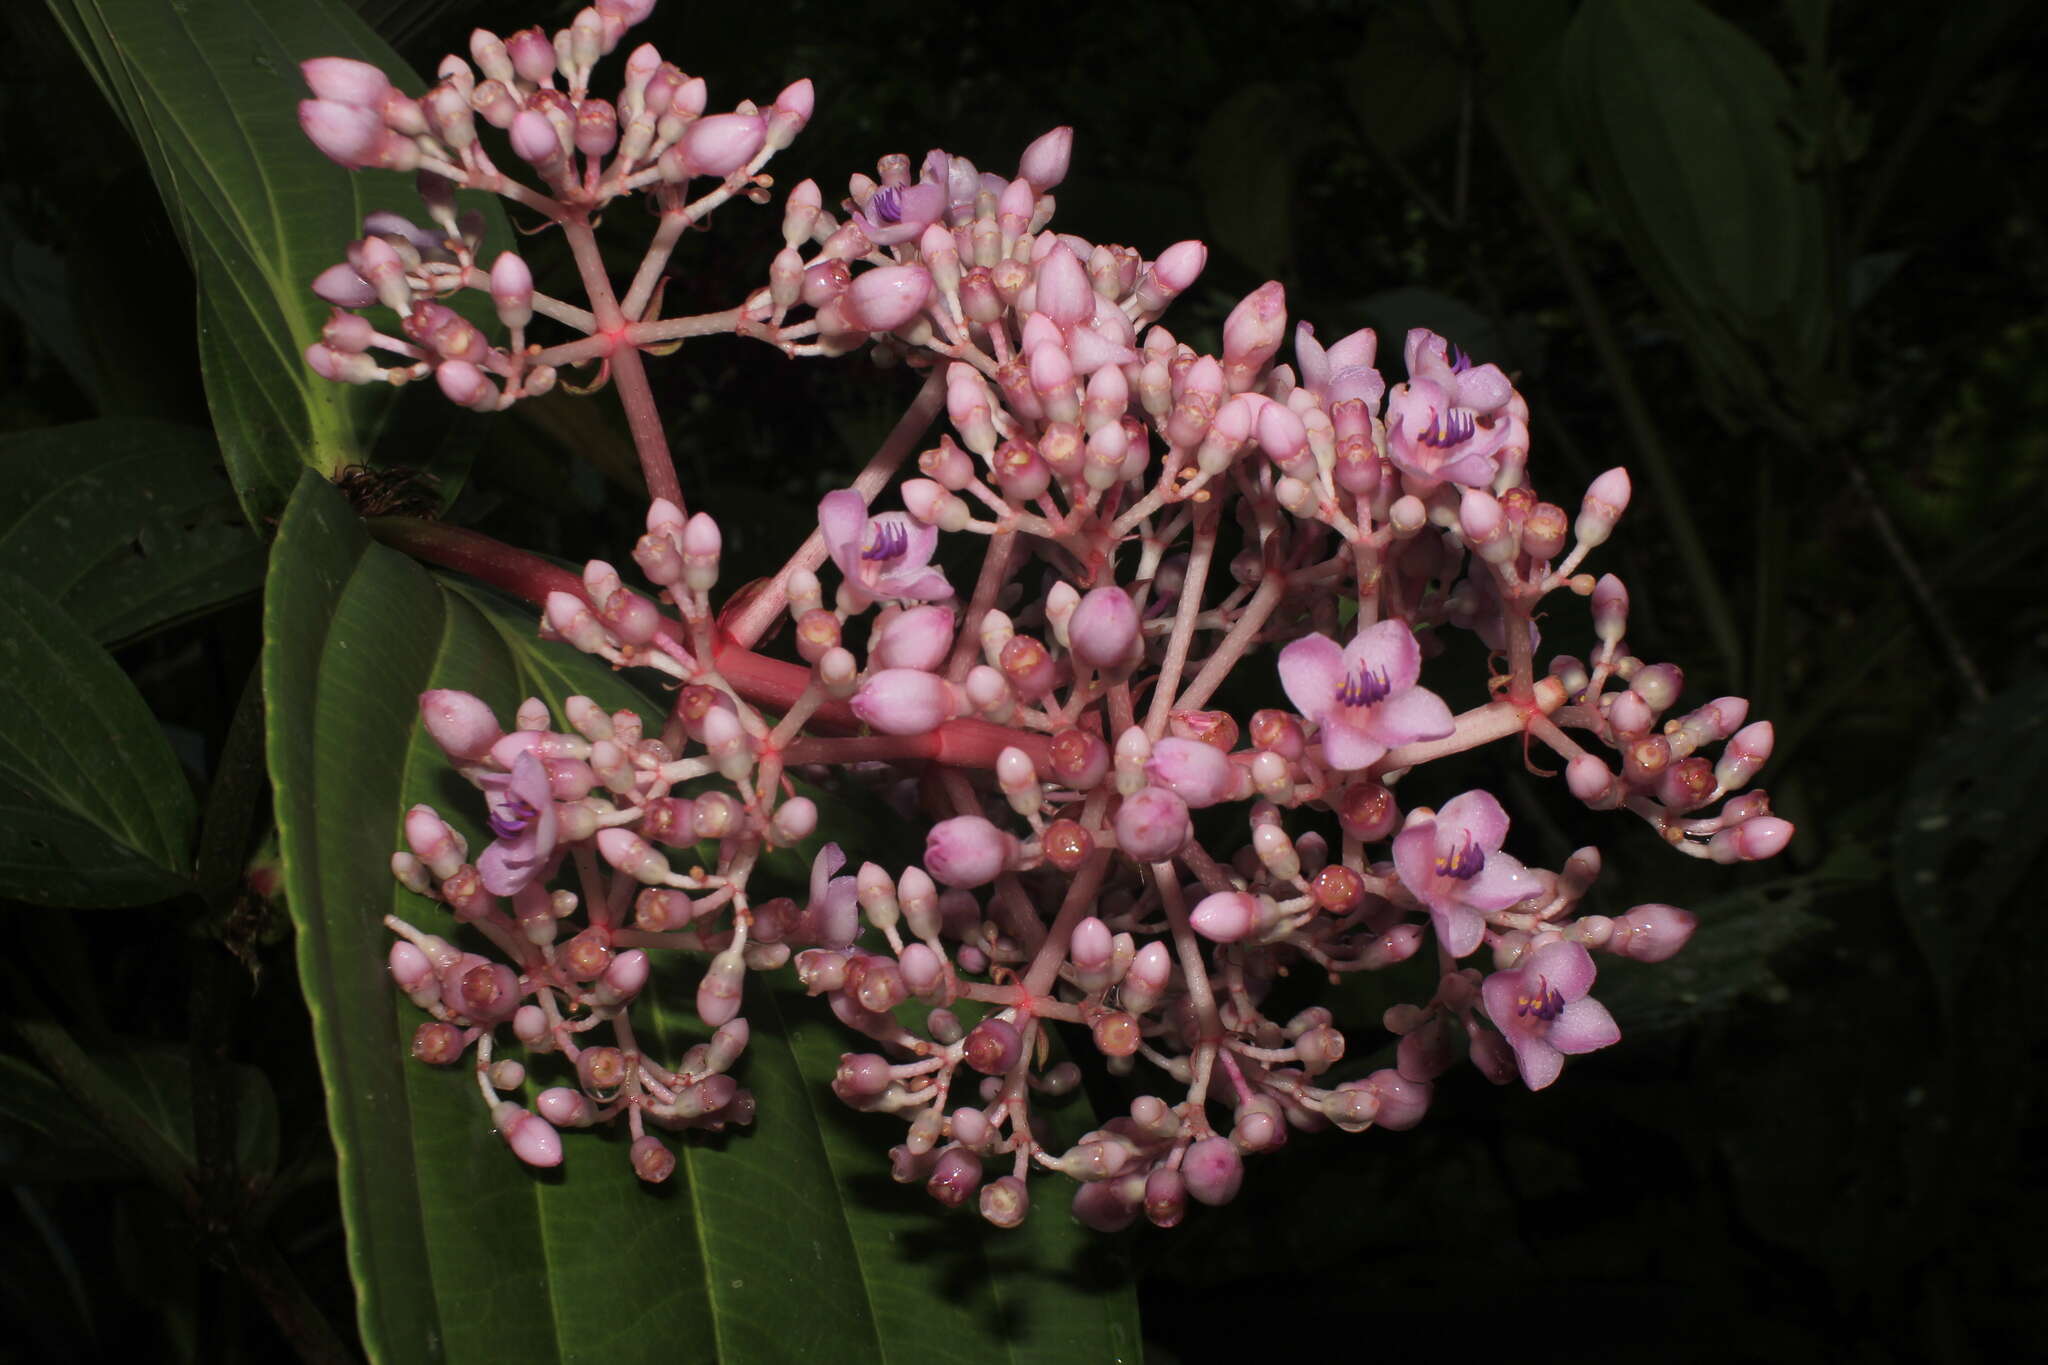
x: 1110, y: 860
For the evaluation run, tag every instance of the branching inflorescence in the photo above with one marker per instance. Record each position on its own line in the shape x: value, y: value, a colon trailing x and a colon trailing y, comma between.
x: 1151, y: 521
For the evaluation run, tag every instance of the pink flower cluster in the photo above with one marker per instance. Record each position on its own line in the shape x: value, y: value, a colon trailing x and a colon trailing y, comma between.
x: 1109, y: 855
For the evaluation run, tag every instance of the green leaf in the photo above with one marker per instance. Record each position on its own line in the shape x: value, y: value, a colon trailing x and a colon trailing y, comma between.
x: 128, y: 525
x: 210, y: 88
x: 94, y: 809
x: 1681, y: 120
x: 759, y: 1248
x: 1964, y: 842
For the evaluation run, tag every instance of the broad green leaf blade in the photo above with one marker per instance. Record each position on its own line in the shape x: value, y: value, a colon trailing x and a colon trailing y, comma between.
x: 1680, y: 117
x: 210, y: 88
x: 94, y: 809
x: 756, y: 1250
x: 126, y: 524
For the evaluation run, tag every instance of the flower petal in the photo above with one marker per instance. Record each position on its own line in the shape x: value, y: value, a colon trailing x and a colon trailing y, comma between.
x: 829, y: 860
x: 1388, y: 649
x: 1501, y: 883
x: 1411, y: 716
x: 1311, y: 671
x: 842, y: 520
x: 1539, y: 1062
x: 1474, y: 815
x: 1458, y: 927
x: 1568, y: 967
x: 1415, y: 861
x: 1348, y: 747
x: 1584, y: 1026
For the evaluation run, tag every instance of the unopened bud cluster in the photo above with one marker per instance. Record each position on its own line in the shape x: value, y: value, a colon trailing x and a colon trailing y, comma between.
x: 1108, y: 856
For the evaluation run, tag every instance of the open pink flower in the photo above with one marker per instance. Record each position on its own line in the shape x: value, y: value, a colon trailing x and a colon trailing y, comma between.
x: 1482, y: 388
x: 522, y: 810
x: 831, y: 919
x: 1363, y: 696
x: 1453, y: 865
x: 1432, y: 439
x: 1344, y: 370
x: 901, y: 213
x: 1543, y: 1010
x: 882, y: 556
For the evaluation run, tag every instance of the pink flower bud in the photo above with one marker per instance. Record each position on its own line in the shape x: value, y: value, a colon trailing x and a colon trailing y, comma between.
x: 1652, y: 933
x: 1044, y: 163
x: 1747, y: 751
x: 461, y: 724
x: 1152, y: 825
x: 883, y: 299
x: 1179, y: 266
x: 346, y: 81
x: 1252, y: 333
x: 1610, y: 609
x: 1402, y: 1102
x: 720, y: 144
x: 967, y: 851
x: 534, y: 139
x: 345, y: 133
x: 532, y: 1139
x: 1198, y: 773
x: 533, y: 56
x: 512, y: 290
x: 624, y: 979
x: 1090, y: 946
x: 1064, y: 294
x: 718, y: 994
x: 341, y: 286
x: 1591, y: 781
x: 994, y: 1046
x: 1485, y: 526
x: 411, y: 968
x: 466, y: 386
x: 955, y: 1178
x: 1606, y: 500
x: 1226, y: 916
x: 1213, y: 1171
x: 632, y: 855
x: 1760, y: 837
x: 917, y: 638
x: 1103, y: 627
x: 906, y: 701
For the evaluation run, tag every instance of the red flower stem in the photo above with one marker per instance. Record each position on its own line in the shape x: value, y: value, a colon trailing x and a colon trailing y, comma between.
x: 637, y: 396
x: 771, y: 683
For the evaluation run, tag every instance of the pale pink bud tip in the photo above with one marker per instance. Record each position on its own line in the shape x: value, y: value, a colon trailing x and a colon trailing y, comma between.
x: 345, y: 81
x: 1226, y: 916
x: 1104, y: 627
x: 1213, y: 1171
x: 460, y: 723
x: 904, y: 701
x: 345, y: 133
x: 1652, y: 933
x: 341, y: 286
x: 966, y: 851
x: 1044, y: 163
x: 720, y: 144
x: 884, y: 299
x: 532, y: 1139
x: 1180, y: 265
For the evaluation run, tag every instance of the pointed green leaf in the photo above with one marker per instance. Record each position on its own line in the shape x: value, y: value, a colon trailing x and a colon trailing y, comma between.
x: 94, y: 809
x: 128, y: 525
x: 1680, y: 117
x: 767, y: 1244
x: 210, y: 88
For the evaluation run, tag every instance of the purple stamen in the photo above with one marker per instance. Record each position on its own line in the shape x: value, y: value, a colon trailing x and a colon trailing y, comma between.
x: 512, y: 816
x: 1460, y: 362
x: 1364, y: 688
x: 1546, y: 1003
x: 1449, y: 429
x: 1464, y: 864
x: 886, y: 205
x: 890, y: 541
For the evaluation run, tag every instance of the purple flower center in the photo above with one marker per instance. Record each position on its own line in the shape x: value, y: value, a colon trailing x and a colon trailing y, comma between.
x: 1449, y: 428
x: 1364, y: 688
x: 512, y: 816
x: 890, y: 541
x: 1463, y: 864
x: 886, y: 205
x: 1546, y: 1002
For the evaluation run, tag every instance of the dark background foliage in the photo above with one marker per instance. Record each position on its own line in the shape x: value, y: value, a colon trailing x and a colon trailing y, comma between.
x: 1813, y: 1140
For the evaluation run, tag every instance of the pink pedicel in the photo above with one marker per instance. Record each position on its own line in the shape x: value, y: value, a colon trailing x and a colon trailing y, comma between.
x: 1127, y: 640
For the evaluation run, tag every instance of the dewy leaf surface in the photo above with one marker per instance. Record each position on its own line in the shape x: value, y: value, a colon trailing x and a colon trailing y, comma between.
x: 210, y: 88
x: 760, y: 1248
x: 126, y: 524
x: 94, y: 809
